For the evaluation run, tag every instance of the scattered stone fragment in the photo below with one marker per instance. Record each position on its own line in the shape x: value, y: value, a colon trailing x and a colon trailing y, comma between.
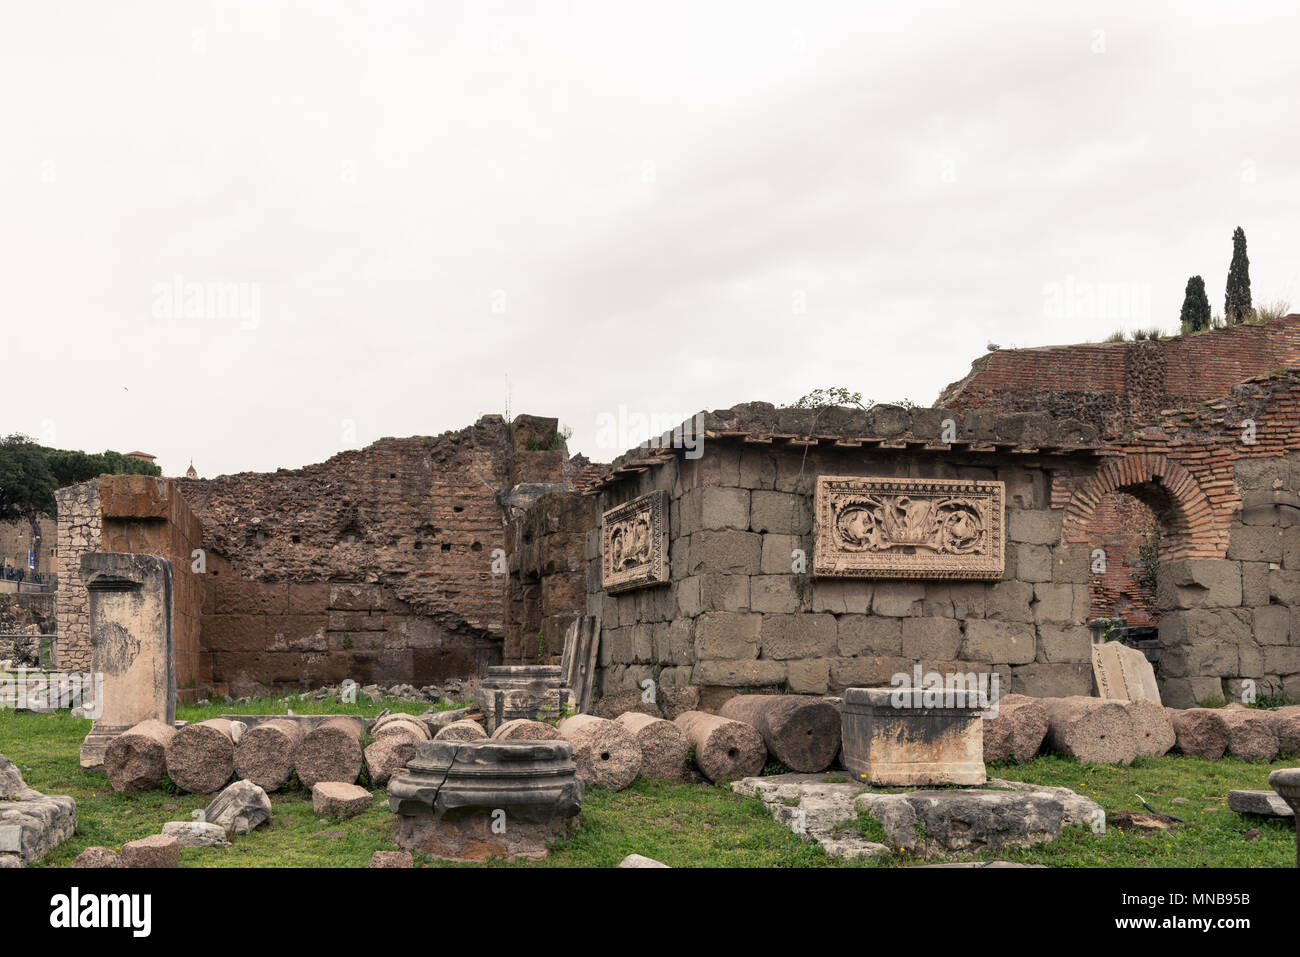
x: 158, y: 850
x: 1252, y: 834
x: 1262, y: 803
x: 605, y: 752
x: 1287, y: 727
x: 1201, y: 732
x: 196, y: 833
x: 723, y: 748
x: 1146, y: 823
x: 665, y: 749
x: 636, y: 860
x: 335, y: 799
x: 391, y: 859
x: 1018, y: 730
x: 400, y: 723
x: 136, y: 760
x: 329, y: 752
x: 1091, y: 730
x: 201, y: 757
x: 239, y: 808
x: 265, y: 753
x: 97, y: 857
x: 461, y: 731
x: 800, y: 731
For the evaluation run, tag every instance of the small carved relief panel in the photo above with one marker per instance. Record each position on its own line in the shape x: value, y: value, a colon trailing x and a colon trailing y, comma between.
x: 909, y: 528
x: 634, y: 543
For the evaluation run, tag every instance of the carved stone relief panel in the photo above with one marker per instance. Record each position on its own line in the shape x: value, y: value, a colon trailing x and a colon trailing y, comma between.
x: 909, y: 528
x: 634, y: 543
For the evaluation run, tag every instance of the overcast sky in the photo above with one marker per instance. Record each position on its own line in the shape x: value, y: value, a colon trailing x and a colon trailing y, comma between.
x: 664, y: 207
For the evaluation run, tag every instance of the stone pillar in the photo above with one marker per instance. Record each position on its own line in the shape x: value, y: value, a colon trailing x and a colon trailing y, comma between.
x: 133, y: 659
x: 1286, y: 782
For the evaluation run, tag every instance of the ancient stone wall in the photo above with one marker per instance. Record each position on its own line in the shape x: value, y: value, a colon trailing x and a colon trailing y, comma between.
x: 145, y: 515
x: 16, y: 542
x: 80, y: 530
x: 736, y: 613
x: 1111, y: 385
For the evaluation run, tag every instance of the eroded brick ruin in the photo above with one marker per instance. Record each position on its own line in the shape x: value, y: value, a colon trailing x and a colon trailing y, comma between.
x: 424, y: 558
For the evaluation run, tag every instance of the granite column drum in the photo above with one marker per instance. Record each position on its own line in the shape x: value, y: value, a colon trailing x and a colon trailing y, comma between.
x: 474, y: 800
x: 902, y: 737
x: 133, y: 653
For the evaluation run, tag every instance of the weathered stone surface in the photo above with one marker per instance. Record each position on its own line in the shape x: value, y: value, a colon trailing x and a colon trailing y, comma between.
x: 391, y: 860
x: 522, y: 729
x: 1091, y: 730
x: 334, y: 799
x: 387, y: 755
x: 1200, y: 731
x: 97, y: 857
x: 132, y: 644
x: 159, y: 850
x: 196, y: 833
x: 536, y: 692
x: 136, y: 760
x: 1152, y: 728
x: 239, y: 808
x: 897, y: 737
x: 481, y: 799
x: 814, y: 808
x: 968, y: 819
x: 201, y: 757
x: 31, y: 824
x: 637, y: 860
x: 634, y: 542
x: 1017, y: 731
x: 723, y: 748
x: 665, y: 749
x: 1261, y: 803
x: 802, y: 732
x: 871, y: 527
x: 1123, y: 673
x: 1250, y: 733
x: 329, y: 752
x: 265, y: 753
x: 397, y: 723
x: 606, y: 753
x: 1079, y: 810
x: 461, y: 731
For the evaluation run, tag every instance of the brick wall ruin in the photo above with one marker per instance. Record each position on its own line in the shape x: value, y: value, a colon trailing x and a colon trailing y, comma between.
x: 1112, y: 384
x: 80, y: 530
x: 16, y: 542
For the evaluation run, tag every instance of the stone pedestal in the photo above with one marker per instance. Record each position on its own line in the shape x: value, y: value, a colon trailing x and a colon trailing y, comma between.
x: 1286, y: 782
x: 900, y: 738
x: 132, y: 646
x: 473, y: 800
x: 535, y: 692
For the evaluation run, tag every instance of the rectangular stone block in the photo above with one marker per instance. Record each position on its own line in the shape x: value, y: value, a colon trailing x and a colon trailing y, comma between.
x: 1034, y: 526
x: 809, y: 676
x: 870, y: 636
x: 896, y: 599
x: 1057, y: 680
x: 1272, y: 624
x: 854, y: 672
x: 1006, y: 642
x: 1199, y: 583
x: 1009, y: 601
x: 777, y: 554
x: 841, y: 597
x: 773, y: 594
x: 780, y: 512
x: 740, y: 674
x: 1255, y: 543
x: 726, y: 552
x: 931, y: 638
x: 724, y: 592
x: 1062, y: 643
x: 804, y: 635
x: 894, y: 738
x: 727, y: 635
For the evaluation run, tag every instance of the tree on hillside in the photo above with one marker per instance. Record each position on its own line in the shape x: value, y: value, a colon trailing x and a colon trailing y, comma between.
x: 1196, y: 306
x: 72, y: 467
x: 1236, y: 303
x: 27, y: 484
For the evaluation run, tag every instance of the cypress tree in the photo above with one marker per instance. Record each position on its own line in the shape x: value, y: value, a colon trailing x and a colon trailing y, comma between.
x: 1236, y: 303
x: 1196, y: 306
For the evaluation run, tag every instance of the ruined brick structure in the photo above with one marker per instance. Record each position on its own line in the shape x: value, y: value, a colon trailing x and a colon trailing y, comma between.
x: 376, y: 565
x: 16, y: 542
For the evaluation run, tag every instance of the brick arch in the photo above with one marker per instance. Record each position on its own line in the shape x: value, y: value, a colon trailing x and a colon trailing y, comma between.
x: 1169, y: 490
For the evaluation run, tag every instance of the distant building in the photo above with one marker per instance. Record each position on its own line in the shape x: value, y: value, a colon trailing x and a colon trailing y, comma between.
x: 142, y: 456
x: 190, y: 472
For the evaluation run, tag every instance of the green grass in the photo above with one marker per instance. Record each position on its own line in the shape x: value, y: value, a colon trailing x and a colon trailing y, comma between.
x: 683, y: 825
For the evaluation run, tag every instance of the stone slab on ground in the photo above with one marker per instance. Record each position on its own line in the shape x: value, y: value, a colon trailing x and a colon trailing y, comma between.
x: 99, y: 857
x: 158, y: 850
x: 958, y: 820
x: 31, y: 823
x: 335, y: 799
x: 196, y: 833
x: 1262, y: 803
x: 637, y: 860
